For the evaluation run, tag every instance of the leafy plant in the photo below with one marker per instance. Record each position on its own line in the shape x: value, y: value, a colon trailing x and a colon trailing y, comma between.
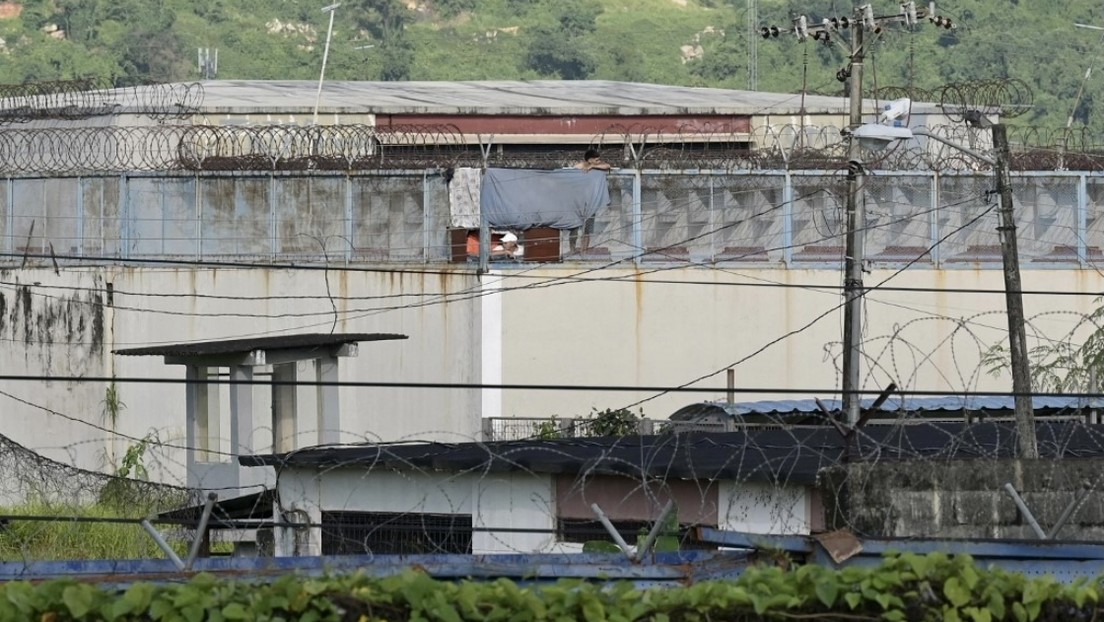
x: 1073, y: 363
x: 134, y: 459
x: 905, y: 587
x: 615, y: 422
x: 548, y: 430
x: 112, y: 404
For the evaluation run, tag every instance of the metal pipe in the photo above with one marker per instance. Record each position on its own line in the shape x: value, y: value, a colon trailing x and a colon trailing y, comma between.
x: 325, y: 55
x: 161, y: 544
x: 625, y: 548
x: 201, y: 530
x: 1028, y: 516
x: 1069, y: 513
x: 939, y: 139
x: 656, y: 528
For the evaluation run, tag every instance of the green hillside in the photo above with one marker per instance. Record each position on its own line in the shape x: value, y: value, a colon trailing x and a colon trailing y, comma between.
x: 691, y: 42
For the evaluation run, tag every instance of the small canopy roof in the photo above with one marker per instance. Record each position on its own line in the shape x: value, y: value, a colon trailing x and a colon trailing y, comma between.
x: 245, y: 346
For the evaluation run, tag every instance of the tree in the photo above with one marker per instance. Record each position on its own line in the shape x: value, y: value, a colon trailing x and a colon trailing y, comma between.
x: 1071, y: 364
x: 553, y: 53
x: 722, y: 61
x: 562, y: 52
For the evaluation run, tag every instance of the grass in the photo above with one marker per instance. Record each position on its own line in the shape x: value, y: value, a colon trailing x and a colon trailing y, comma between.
x: 65, y: 538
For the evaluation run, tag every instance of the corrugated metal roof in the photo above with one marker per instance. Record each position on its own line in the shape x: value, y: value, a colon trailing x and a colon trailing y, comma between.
x: 934, y: 403
x: 511, y: 97
x: 244, y: 346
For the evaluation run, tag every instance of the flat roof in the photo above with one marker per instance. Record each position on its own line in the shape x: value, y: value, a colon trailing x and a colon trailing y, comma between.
x: 245, y: 346
x: 773, y: 455
x: 506, y: 97
x: 936, y: 405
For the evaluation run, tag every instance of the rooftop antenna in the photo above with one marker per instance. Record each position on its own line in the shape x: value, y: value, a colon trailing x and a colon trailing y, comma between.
x: 208, y: 63
x: 325, y: 55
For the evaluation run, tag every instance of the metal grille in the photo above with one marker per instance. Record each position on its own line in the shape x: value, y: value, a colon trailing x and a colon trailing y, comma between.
x: 389, y: 533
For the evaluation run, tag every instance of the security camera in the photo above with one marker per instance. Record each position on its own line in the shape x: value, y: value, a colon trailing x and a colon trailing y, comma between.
x: 897, y: 109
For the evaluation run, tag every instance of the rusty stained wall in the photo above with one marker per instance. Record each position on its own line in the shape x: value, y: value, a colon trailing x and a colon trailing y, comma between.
x: 65, y: 326
x: 55, y: 331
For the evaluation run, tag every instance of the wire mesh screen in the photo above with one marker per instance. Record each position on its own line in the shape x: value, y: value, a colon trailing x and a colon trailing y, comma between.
x: 611, y: 233
x: 899, y: 218
x: 818, y: 223
x: 1046, y: 217
x: 748, y: 218
x: 382, y: 533
x: 967, y: 221
x: 679, y: 217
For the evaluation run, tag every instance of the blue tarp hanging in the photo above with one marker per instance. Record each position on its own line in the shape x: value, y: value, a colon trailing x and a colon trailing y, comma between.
x: 522, y: 198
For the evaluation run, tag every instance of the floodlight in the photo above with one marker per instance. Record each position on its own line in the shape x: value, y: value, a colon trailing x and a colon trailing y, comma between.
x: 875, y: 136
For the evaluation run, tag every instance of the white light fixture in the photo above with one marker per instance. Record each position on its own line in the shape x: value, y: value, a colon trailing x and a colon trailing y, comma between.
x: 875, y: 136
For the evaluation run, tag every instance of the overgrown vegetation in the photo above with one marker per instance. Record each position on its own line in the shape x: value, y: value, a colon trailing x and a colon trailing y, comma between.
x: 908, y: 587
x: 608, y: 422
x: 1072, y: 363
x: 691, y: 42
x: 83, y: 538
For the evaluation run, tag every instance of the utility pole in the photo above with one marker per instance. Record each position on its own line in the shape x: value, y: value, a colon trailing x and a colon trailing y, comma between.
x: 861, y: 21
x: 1013, y: 299
x: 325, y: 56
x: 853, y: 253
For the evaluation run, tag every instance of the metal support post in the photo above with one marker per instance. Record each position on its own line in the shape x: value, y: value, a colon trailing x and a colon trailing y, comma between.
x: 201, y: 530
x: 161, y: 544
x: 621, y: 544
x: 649, y: 541
x: 1028, y: 516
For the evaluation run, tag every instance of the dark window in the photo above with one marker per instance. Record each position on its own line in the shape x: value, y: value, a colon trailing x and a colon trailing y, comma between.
x: 388, y: 533
x: 585, y: 530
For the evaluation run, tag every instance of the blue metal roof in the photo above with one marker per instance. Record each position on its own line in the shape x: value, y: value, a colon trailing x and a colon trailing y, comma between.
x: 896, y: 403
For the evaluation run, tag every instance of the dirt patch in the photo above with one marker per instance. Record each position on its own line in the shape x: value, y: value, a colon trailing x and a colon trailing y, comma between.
x: 10, y: 10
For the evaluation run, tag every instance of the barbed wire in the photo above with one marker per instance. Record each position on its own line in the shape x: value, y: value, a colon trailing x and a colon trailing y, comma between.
x: 85, y: 98
x: 115, y: 149
x: 1008, y: 97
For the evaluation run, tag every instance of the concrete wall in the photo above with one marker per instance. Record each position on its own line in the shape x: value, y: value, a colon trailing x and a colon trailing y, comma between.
x: 757, y: 507
x: 60, y: 328
x: 628, y: 328
x: 507, y: 500
x: 964, y: 498
x: 519, y: 500
x: 777, y: 328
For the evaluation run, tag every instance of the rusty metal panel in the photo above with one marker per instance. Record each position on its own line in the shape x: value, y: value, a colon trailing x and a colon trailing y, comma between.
x: 235, y: 217
x: 27, y: 215
x: 102, y: 224
x: 310, y: 216
x: 161, y: 220
x: 389, y: 219
x: 471, y: 125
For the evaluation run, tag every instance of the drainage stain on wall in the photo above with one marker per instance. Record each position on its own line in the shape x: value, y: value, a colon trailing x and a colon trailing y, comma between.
x: 63, y: 327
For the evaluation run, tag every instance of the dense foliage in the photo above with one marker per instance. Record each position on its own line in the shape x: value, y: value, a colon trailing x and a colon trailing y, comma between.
x: 692, y: 42
x: 908, y: 587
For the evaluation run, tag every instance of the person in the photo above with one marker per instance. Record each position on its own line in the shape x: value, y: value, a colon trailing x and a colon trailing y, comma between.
x: 506, y: 247
x: 592, y: 159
